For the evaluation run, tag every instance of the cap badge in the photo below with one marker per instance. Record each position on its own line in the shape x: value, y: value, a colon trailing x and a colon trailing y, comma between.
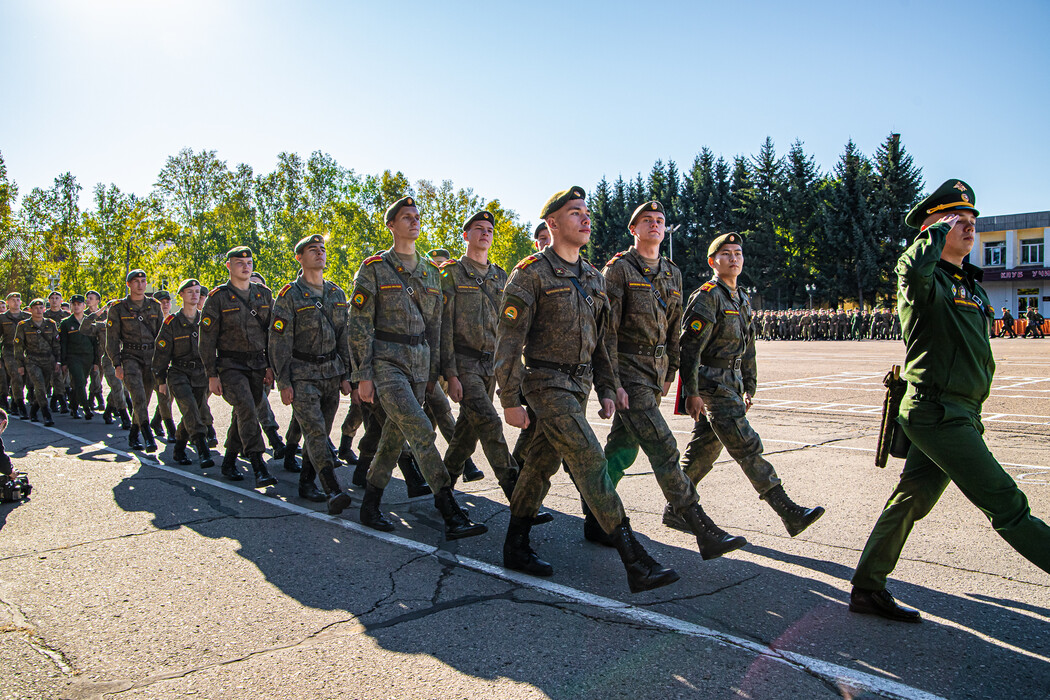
x: 408, y: 201
x: 654, y: 205
x: 959, y: 186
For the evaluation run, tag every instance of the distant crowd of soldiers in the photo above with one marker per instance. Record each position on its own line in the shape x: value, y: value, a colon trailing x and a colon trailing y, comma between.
x: 828, y: 324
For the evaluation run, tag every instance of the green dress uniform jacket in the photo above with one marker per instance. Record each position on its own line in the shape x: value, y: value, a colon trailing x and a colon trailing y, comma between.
x: 75, y: 339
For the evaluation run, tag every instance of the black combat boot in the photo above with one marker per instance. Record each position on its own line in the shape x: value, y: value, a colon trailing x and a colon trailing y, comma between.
x: 291, y: 464
x: 712, y: 540
x: 48, y: 420
x: 33, y: 413
x: 169, y: 426
x: 54, y: 402
x: 471, y: 471
x: 203, y: 453
x: 63, y: 404
x: 457, y: 525
x: 178, y: 453
x: 346, y: 450
x: 22, y: 413
x: 147, y: 438
x: 100, y: 403
x: 125, y: 419
x: 415, y: 484
x: 262, y: 476
x: 213, y: 440
x: 156, y: 424
x: 88, y: 413
x: 795, y: 517
x: 107, y: 416
x: 4, y: 404
x: 229, y: 466
x: 133, y: 438
x: 276, y: 443
x: 675, y: 521
x: 643, y: 572
x: 518, y: 555
x: 338, y: 499
x: 592, y: 529
x: 371, y: 515
x: 74, y: 410
x: 307, y: 489
x: 360, y: 476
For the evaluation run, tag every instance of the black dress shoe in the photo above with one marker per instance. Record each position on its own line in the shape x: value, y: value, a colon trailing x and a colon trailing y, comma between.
x: 881, y: 603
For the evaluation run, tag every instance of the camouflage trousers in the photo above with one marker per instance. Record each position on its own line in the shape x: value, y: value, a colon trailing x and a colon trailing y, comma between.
x: 267, y: 420
x: 5, y: 383
x: 59, y: 382
x: 116, y: 400
x: 243, y: 390
x: 402, y: 401
x: 164, y: 405
x: 478, y: 420
x: 354, y: 418
x: 18, y: 381
x: 314, y: 407
x: 563, y: 432
x: 439, y: 412
x: 138, y: 380
x: 726, y: 424
x: 39, y: 375
x: 95, y: 383
x: 192, y: 402
x: 644, y: 426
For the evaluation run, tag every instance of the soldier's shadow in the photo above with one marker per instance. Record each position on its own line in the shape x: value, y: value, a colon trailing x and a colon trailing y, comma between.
x: 410, y: 601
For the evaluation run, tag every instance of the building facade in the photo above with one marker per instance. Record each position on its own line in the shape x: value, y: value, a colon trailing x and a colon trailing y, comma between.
x: 1012, y: 250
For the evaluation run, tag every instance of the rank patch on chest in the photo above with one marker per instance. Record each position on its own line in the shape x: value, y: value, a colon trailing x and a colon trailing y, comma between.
x: 640, y: 285
x: 731, y: 312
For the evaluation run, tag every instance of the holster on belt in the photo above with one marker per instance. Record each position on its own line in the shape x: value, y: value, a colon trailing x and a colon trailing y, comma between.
x: 892, y: 440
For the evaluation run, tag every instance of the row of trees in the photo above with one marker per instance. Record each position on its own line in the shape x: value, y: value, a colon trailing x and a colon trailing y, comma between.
x: 200, y: 207
x: 837, y: 233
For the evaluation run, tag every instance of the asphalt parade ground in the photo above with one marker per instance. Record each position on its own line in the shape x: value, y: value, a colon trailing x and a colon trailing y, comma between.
x: 124, y: 577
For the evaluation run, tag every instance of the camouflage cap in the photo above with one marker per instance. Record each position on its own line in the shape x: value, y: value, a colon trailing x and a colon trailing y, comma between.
x: 648, y: 206
x: 37, y: 302
x: 162, y: 295
x: 542, y: 226
x: 189, y: 282
x: 241, y: 251
x: 133, y: 274
x: 724, y: 239
x: 394, y: 208
x: 560, y: 199
x: 953, y: 195
x: 77, y: 298
x: 313, y: 238
x: 480, y: 216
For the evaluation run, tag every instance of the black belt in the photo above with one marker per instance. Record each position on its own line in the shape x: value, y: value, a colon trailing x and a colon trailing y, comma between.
x: 635, y: 349
x: 571, y: 370
x: 400, y: 338
x: 471, y: 352
x: 732, y: 363
x: 133, y: 346
x: 187, y: 364
x: 316, y: 359
x: 244, y: 357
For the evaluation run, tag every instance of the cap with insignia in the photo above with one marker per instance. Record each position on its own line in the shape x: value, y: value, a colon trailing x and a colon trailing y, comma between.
x: 55, y: 293
x: 542, y: 226
x: 724, y: 239
x: 241, y: 251
x: 188, y: 283
x: 314, y: 238
x: 77, y: 298
x: 394, y: 208
x: 642, y: 208
x: 560, y: 199
x: 92, y: 291
x: 480, y: 216
x: 37, y: 302
x: 953, y: 195
x: 13, y: 294
x: 162, y: 295
x: 133, y: 274
x: 438, y: 253
x: 258, y: 276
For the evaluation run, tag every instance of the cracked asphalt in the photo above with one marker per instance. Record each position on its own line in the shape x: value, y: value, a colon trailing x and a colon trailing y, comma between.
x: 122, y: 580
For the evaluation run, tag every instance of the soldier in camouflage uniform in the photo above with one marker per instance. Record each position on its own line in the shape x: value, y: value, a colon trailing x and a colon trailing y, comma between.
x: 60, y: 378
x: 162, y: 419
x: 645, y: 301
x: 116, y: 401
x: 131, y: 330
x: 554, y: 315
x: 9, y: 321
x: 267, y: 419
x: 36, y: 354
x: 79, y: 352
x: 233, y: 338
x: 180, y: 375
x: 719, y: 375
x: 395, y: 336
x: 92, y: 326
x: 311, y: 361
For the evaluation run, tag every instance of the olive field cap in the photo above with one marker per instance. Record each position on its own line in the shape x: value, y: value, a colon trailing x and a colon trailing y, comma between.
x: 241, y: 251
x: 313, y: 238
x: 186, y: 283
x: 560, y: 199
x: 394, y: 208
x: 724, y: 239
x: 133, y: 274
x: 77, y: 298
x: 642, y: 208
x: 542, y: 226
x: 162, y: 295
x: 480, y: 216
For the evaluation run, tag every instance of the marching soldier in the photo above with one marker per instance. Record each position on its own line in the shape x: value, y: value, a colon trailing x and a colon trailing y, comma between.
x: 36, y: 353
x: 9, y: 321
x: 1034, y: 323
x: 1008, y: 324
x: 267, y: 420
x: 56, y: 313
x: 91, y: 327
x: 79, y: 353
x: 162, y: 419
x: 116, y: 401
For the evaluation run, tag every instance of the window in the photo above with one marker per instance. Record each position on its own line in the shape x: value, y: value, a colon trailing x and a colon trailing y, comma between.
x: 1032, y: 251
x: 994, y: 253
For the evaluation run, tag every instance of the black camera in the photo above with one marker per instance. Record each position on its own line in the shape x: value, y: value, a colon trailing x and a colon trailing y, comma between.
x: 15, y: 487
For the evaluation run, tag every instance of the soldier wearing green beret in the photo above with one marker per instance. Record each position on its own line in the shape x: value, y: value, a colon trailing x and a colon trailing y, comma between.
x: 163, y: 421
x: 267, y: 419
x: 36, y: 352
x: 79, y: 352
x: 945, y: 316
x: 60, y: 379
x: 719, y: 379
x: 91, y: 327
x: 9, y: 321
x: 233, y: 336
x: 554, y: 314
x: 645, y: 301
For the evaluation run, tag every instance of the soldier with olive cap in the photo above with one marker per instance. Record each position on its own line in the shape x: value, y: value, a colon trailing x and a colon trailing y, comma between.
x: 131, y: 331
x: 719, y: 378
x: 9, y: 321
x: 554, y: 315
x: 645, y: 300
x: 37, y: 352
x: 79, y: 352
x: 162, y: 419
x: 945, y: 316
x: 233, y: 338
x: 60, y: 379
x: 395, y: 338
x: 92, y: 327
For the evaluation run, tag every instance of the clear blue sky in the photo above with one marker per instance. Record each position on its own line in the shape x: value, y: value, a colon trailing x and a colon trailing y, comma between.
x: 518, y: 100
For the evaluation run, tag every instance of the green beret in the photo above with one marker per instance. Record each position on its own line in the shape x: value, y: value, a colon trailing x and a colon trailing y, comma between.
x: 204, y: 291
x: 315, y: 238
x: 133, y: 274
x: 438, y: 252
x: 162, y: 295
x: 262, y: 280
x: 542, y: 226
x: 953, y: 195
x: 241, y: 251
x: 36, y: 301
x: 480, y: 216
x: 13, y: 294
x: 55, y: 293
x: 722, y: 240
x: 648, y: 206
x: 92, y: 291
x: 394, y: 208
x: 560, y: 199
x: 188, y: 283
x: 77, y: 298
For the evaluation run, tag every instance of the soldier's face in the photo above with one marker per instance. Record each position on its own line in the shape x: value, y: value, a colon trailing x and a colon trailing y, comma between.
x: 728, y: 261
x: 191, y: 296
x: 649, y: 228
x: 240, y: 269
x: 37, y: 312
x: 960, y: 239
x: 93, y: 301
x: 479, y: 235
x: 56, y: 302
x: 14, y: 304
x: 78, y: 307
x: 3, y: 307
x: 405, y: 226
x: 571, y: 225
x: 137, y: 286
x: 313, y: 257
x: 165, y: 307
x: 543, y: 239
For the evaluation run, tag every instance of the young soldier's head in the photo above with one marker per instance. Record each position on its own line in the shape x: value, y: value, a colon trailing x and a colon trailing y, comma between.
x: 164, y: 297
x: 725, y: 255
x: 648, y: 225
x: 93, y: 299
x: 479, y: 231
x: 310, y: 253
x: 14, y: 302
x: 77, y: 304
x: 952, y: 198
x: 190, y: 292
x: 402, y: 218
x: 438, y: 255
x: 568, y: 218
x: 36, y: 309
x: 541, y: 237
x: 136, y: 281
x: 239, y: 263
x: 204, y: 294
x: 55, y: 300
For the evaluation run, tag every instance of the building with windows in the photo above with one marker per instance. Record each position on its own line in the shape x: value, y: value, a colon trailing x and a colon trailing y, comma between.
x: 1012, y: 251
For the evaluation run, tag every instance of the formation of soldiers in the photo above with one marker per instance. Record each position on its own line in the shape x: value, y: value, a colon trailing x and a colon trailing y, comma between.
x: 828, y: 324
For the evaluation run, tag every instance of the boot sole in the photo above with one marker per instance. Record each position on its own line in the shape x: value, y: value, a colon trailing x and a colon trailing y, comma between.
x: 338, y: 504
x: 715, y: 553
x: 665, y: 580
x: 677, y: 524
x: 814, y: 517
x: 477, y: 476
x: 469, y: 532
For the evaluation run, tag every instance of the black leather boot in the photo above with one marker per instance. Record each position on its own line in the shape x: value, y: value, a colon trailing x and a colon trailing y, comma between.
x: 542, y: 518
x: 307, y: 488
x: 592, y: 529
x: 359, y: 478
x: 457, y: 525
x: 178, y: 453
x: 147, y: 439
x: 22, y: 413
x: 415, y: 484
x: 674, y: 521
x: 291, y: 464
x: 262, y: 476
x: 133, y: 438
x: 54, y: 402
x: 169, y: 426
x: 371, y: 516
x: 346, y: 450
x: 155, y: 424
x: 471, y: 471
x: 795, y: 517
x: 229, y: 466
x: 881, y: 603
x: 125, y: 419
x: 643, y: 572
x: 338, y: 499
x: 88, y: 412
x: 74, y: 410
x: 213, y: 440
x: 276, y: 443
x: 48, y: 420
x: 712, y: 540
x: 34, y: 412
x: 518, y: 554
x: 107, y: 416
x: 203, y: 453
x: 63, y: 405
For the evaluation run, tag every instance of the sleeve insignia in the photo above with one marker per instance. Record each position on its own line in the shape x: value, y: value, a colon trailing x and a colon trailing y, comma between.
x: 278, y: 326
x: 707, y: 286
x: 212, y: 292
x: 372, y: 260
x: 162, y: 343
x: 696, y: 325
x: 169, y: 319
x: 359, y: 298
x: 527, y: 261
x: 206, y: 321
x: 109, y: 322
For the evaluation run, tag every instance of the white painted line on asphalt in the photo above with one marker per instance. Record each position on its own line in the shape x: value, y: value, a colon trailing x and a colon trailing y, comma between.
x: 840, y: 675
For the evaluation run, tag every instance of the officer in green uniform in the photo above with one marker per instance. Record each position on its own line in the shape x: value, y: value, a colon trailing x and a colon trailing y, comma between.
x: 78, y: 352
x: 645, y: 301
x: 9, y: 321
x: 395, y: 336
x: 719, y: 378
x: 36, y: 353
x: 945, y: 316
x: 554, y: 315
x: 233, y: 338
x: 180, y: 375
x: 311, y: 360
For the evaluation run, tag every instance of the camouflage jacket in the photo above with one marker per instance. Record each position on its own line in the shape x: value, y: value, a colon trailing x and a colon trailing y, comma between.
x: 8, y: 323
x: 716, y: 329
x: 389, y: 301
x: 132, y: 329
x: 56, y: 316
x: 178, y: 350
x: 308, y: 335
x: 234, y: 328
x: 546, y: 318
x: 35, y: 344
x: 645, y: 315
x: 468, y: 322
x: 75, y: 338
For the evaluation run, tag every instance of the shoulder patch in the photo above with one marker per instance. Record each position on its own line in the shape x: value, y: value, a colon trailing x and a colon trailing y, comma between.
x: 169, y: 319
x: 212, y: 292
x: 278, y: 326
x: 707, y: 286
x: 284, y: 289
x: 614, y: 258
x: 696, y: 325
x: 372, y: 260
x: 527, y: 261
x: 360, y: 298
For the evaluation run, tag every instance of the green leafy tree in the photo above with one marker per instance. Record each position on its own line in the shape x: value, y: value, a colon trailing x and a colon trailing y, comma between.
x: 898, y: 188
x: 852, y: 269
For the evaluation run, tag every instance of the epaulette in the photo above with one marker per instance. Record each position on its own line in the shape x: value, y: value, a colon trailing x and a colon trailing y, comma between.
x: 169, y: 319
x: 707, y: 286
x: 671, y: 261
x: 527, y: 261
x: 614, y: 258
x: 284, y: 289
x: 332, y: 285
x: 450, y: 261
x: 372, y: 260
x: 212, y: 292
